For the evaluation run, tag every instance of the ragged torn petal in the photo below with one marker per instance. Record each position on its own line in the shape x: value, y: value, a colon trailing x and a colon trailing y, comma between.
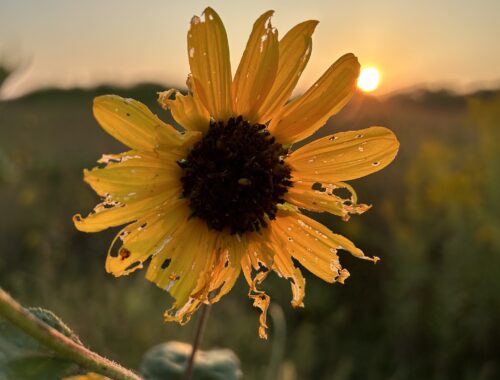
x: 318, y: 197
x: 189, y: 113
x: 260, y: 299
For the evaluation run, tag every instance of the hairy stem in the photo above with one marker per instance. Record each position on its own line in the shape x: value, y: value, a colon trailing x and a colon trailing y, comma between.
x: 63, y: 346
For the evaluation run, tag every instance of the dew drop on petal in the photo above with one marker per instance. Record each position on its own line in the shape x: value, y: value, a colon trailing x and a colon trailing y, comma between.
x: 191, y: 52
x: 376, y: 163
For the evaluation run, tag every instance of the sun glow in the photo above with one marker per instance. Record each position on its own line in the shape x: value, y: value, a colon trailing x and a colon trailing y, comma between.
x: 369, y: 79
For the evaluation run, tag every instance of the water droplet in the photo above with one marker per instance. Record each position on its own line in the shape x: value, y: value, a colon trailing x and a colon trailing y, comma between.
x: 360, y: 148
x: 376, y: 163
x: 331, y: 138
x: 191, y: 52
x: 359, y: 136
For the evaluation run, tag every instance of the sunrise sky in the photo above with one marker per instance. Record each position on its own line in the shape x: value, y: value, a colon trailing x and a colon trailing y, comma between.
x: 69, y: 43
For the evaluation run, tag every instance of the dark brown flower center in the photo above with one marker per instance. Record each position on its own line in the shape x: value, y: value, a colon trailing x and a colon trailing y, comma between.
x: 235, y: 176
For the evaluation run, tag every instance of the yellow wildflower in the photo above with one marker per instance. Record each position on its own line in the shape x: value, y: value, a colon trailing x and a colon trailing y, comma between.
x: 225, y: 195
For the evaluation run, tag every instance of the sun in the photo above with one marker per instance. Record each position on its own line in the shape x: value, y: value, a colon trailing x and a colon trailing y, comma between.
x: 369, y: 79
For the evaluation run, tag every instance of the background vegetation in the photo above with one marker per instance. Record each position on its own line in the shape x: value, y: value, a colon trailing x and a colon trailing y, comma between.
x: 428, y: 310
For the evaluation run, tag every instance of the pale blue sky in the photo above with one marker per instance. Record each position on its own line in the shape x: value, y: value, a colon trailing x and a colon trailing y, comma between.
x: 82, y: 43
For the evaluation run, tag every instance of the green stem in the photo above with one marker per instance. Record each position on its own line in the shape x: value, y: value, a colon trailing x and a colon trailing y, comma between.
x: 200, y: 329
x: 62, y: 345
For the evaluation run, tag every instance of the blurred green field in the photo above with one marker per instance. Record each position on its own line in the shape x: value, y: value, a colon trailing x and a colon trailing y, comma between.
x: 428, y: 310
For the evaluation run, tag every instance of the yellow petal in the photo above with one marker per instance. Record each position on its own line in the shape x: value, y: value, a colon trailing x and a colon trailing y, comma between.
x: 217, y: 280
x: 284, y: 267
x: 259, y: 253
x: 129, y: 121
x: 306, y: 114
x: 175, y: 146
x: 303, y: 246
x: 185, y: 110
x: 135, y: 175
x: 323, y: 199
x: 222, y: 276
x: 257, y: 69
x: 294, y: 52
x: 112, y: 213
x: 313, y: 245
x: 345, y: 156
x: 260, y: 299
x: 208, y: 53
x: 227, y: 267
x: 145, y: 238
x: 181, y: 265
x: 265, y: 253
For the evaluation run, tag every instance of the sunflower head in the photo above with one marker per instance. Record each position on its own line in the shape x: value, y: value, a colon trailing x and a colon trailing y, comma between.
x: 236, y: 176
x: 225, y: 195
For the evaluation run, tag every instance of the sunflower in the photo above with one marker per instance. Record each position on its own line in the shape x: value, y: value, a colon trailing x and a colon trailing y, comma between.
x: 225, y: 194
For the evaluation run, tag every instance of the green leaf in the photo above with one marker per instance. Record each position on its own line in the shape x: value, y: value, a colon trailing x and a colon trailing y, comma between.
x: 23, y: 358
x: 167, y: 361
